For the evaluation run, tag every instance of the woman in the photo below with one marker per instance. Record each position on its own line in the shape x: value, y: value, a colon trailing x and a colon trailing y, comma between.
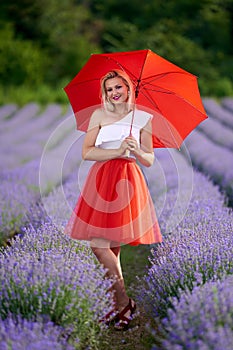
x: 115, y: 206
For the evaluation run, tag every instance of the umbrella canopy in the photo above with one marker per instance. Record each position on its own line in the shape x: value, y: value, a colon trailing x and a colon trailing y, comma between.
x: 163, y: 89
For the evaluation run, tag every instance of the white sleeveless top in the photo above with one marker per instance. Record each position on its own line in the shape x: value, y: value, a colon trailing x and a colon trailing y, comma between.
x: 111, y: 136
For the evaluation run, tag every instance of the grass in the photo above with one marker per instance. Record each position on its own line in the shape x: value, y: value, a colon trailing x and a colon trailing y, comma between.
x: 134, y: 261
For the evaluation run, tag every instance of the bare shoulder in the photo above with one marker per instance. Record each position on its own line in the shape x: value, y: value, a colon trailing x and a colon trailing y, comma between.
x: 96, y: 119
x: 147, y: 127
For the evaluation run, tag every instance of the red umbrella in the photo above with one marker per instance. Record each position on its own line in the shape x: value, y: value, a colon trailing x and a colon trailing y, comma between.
x: 163, y: 89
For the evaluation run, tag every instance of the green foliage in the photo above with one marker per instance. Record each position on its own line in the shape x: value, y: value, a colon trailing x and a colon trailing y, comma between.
x: 45, y: 42
x: 42, y: 94
x: 163, y: 39
x: 21, y: 61
x: 69, y: 37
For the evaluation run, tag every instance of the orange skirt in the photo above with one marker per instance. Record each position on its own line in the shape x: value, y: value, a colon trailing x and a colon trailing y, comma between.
x: 115, y: 204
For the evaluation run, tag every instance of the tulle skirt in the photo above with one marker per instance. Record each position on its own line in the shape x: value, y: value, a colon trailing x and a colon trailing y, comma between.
x: 115, y: 204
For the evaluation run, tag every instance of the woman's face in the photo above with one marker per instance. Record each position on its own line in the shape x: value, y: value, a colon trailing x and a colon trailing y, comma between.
x: 116, y: 90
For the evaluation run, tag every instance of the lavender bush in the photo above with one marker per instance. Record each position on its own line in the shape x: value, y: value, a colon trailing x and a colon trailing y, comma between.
x: 45, y: 134
x: 21, y: 117
x: 61, y: 156
x: 185, y: 258
x: 201, y: 319
x: 31, y: 128
x: 46, y: 273
x: 15, y: 200
x: 60, y: 202
x: 61, y: 129
x: 217, y: 111
x: 227, y: 102
x: 19, y: 195
x: 19, y: 186
x: 171, y: 174
x: 217, y: 132
x: 44, y: 121
x: 213, y: 160
x: 199, y: 249
x: 7, y: 110
x: 25, y: 142
x: 20, y: 334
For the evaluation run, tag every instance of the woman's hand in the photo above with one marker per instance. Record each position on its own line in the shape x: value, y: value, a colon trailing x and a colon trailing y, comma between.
x: 129, y: 145
x: 144, y: 154
x: 132, y: 144
x: 124, y: 147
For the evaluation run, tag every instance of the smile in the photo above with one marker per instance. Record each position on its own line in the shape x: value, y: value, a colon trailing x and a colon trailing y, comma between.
x: 116, y: 98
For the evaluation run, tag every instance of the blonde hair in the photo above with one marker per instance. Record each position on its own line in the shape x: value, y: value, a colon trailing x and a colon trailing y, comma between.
x: 126, y: 80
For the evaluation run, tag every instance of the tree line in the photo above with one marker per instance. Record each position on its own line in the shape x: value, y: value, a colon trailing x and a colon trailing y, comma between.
x: 48, y: 41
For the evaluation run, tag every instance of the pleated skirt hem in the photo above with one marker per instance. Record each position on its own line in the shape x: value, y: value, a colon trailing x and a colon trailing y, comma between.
x: 115, y: 205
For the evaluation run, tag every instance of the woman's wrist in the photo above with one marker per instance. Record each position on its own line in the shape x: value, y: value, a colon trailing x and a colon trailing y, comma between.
x: 138, y: 152
x: 145, y: 158
x: 101, y: 154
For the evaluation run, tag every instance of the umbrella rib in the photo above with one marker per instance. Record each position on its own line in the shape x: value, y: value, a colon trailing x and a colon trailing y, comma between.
x: 121, y: 66
x: 161, y: 75
x: 137, y: 79
x: 149, y: 98
x: 165, y: 91
x: 137, y: 91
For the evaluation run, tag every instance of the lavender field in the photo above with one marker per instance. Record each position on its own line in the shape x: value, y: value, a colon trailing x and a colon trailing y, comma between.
x: 52, y: 290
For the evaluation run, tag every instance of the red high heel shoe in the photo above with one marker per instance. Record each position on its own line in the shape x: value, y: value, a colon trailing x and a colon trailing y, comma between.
x: 124, y: 321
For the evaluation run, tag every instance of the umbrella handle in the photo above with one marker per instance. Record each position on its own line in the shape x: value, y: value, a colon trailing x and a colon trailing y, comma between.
x: 127, y: 152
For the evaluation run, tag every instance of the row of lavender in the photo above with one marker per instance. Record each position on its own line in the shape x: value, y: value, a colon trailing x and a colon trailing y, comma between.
x: 53, y: 293
x: 32, y: 146
x: 188, y: 285
x: 211, y: 145
x: 51, y: 290
x: 173, y: 196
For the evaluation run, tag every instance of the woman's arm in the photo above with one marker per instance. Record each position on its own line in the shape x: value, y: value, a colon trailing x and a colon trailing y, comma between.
x: 90, y: 151
x: 145, y: 153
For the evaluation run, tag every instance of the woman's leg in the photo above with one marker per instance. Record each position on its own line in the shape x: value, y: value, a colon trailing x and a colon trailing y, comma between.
x: 110, y: 258
x: 116, y: 251
x: 131, y: 306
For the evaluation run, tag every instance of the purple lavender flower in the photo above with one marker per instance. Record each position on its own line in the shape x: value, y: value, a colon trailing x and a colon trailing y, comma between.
x: 227, y: 102
x: 20, y: 117
x: 213, y: 160
x: 19, y: 194
x: 22, y: 167
x: 217, y: 111
x: 217, y: 132
x: 198, y: 249
x: 201, y: 319
x: 46, y: 273
x: 7, y: 110
x: 27, y: 143
x: 21, y: 334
